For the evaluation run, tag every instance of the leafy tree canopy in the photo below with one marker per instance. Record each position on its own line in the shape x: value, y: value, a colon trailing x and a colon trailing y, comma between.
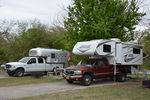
x: 102, y: 19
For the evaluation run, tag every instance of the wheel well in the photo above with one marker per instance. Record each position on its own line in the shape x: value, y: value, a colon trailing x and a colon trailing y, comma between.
x: 55, y: 67
x: 89, y: 73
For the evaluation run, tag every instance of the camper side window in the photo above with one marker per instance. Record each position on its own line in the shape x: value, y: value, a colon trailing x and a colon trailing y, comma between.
x: 106, y: 48
x: 52, y: 55
x: 136, y: 51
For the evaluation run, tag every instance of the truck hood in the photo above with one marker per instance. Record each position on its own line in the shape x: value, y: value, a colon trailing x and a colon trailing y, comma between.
x: 15, y: 63
x: 79, y: 67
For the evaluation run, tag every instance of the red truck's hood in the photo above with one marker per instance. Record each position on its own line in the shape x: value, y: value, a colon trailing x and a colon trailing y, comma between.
x: 79, y: 67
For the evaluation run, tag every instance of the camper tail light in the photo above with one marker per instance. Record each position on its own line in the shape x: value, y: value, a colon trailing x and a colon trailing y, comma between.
x: 78, y: 72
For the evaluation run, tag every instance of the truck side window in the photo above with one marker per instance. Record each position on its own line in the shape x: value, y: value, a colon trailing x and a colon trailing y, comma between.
x: 105, y: 63
x: 40, y: 60
x: 98, y: 64
x: 52, y: 55
x: 33, y: 60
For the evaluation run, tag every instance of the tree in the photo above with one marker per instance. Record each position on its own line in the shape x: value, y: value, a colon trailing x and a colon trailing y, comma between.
x: 102, y: 19
x: 143, y: 37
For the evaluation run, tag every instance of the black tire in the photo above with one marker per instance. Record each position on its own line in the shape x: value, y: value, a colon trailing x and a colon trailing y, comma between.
x: 19, y: 73
x: 55, y: 70
x: 10, y: 74
x: 69, y: 81
x: 87, y: 80
x: 122, y: 77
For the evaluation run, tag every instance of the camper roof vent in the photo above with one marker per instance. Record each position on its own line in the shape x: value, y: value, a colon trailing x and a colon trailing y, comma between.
x: 115, y: 39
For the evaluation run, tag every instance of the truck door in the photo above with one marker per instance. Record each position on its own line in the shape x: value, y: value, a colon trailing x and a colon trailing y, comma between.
x: 31, y: 65
x: 101, y: 70
x: 41, y: 64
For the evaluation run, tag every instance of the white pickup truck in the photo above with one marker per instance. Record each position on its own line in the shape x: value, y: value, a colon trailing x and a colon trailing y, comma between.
x: 43, y: 63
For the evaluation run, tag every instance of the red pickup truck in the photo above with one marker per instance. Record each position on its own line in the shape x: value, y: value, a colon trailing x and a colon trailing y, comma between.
x: 89, y: 69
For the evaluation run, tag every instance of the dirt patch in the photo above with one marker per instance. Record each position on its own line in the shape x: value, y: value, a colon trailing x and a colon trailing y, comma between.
x: 2, y: 72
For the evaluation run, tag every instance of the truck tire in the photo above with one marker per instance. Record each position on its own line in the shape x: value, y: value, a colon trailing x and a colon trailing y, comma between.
x: 87, y: 79
x: 10, y: 74
x: 122, y: 77
x: 19, y: 72
x: 55, y: 70
x: 69, y: 81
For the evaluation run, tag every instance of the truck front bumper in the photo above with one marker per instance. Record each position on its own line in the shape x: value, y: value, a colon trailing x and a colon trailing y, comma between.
x: 10, y: 70
x: 73, y: 77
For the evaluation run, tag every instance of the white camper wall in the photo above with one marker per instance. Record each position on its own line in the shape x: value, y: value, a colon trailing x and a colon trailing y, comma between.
x: 106, y: 49
x: 132, y: 54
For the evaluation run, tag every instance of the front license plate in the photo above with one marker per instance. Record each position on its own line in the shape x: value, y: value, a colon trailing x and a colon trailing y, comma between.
x: 67, y: 77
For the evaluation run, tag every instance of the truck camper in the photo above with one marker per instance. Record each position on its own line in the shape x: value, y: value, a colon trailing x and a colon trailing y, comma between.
x: 107, y: 58
x: 39, y: 60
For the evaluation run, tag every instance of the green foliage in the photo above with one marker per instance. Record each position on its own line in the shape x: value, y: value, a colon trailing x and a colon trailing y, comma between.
x: 30, y: 35
x: 144, y: 38
x: 101, y: 19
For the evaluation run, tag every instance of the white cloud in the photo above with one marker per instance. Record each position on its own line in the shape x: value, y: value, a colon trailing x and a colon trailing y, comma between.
x: 45, y: 10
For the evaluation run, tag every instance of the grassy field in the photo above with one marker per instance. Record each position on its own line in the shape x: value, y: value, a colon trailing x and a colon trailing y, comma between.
x: 127, y: 91
x: 15, y: 81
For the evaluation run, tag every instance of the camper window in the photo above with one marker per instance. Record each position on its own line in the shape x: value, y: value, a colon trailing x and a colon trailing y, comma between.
x: 106, y: 48
x: 40, y: 60
x: 136, y: 51
x: 52, y: 55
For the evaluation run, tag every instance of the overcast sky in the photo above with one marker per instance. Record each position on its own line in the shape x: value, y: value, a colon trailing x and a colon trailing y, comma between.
x: 47, y: 11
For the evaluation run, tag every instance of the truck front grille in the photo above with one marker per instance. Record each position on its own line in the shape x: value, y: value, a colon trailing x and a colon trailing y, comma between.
x: 69, y: 72
x: 8, y: 66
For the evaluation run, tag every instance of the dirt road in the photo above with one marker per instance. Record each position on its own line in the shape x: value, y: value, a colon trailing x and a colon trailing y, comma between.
x: 34, y: 90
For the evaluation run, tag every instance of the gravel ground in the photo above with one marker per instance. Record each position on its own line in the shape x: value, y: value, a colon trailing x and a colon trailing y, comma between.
x: 34, y: 90
x: 39, y: 89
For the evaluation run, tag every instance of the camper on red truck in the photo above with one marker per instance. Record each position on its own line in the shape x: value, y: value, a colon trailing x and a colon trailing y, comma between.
x: 89, y: 69
x: 108, y: 58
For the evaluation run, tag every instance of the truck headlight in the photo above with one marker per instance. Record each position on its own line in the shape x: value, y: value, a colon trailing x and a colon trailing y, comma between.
x: 78, y: 72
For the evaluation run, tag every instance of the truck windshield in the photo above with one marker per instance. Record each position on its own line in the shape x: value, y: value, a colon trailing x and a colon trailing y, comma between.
x: 24, y: 60
x: 86, y: 63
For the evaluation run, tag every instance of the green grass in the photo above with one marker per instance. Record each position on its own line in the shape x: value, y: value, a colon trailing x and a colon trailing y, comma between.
x: 1, y: 68
x: 15, y: 81
x: 139, y: 75
x: 127, y: 91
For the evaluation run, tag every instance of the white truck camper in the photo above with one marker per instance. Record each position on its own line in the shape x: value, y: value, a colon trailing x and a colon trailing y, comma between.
x: 52, y: 56
x: 39, y: 60
x: 124, y: 53
x: 108, y: 58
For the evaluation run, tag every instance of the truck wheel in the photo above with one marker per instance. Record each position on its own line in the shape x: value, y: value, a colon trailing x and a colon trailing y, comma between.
x: 69, y: 81
x: 122, y: 77
x: 10, y: 74
x: 87, y: 80
x: 19, y: 72
x: 55, y: 70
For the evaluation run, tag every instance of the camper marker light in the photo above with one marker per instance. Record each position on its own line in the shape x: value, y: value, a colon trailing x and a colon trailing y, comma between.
x: 78, y: 72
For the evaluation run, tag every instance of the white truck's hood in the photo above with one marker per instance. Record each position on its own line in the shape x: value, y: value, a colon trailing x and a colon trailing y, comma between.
x: 16, y: 63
